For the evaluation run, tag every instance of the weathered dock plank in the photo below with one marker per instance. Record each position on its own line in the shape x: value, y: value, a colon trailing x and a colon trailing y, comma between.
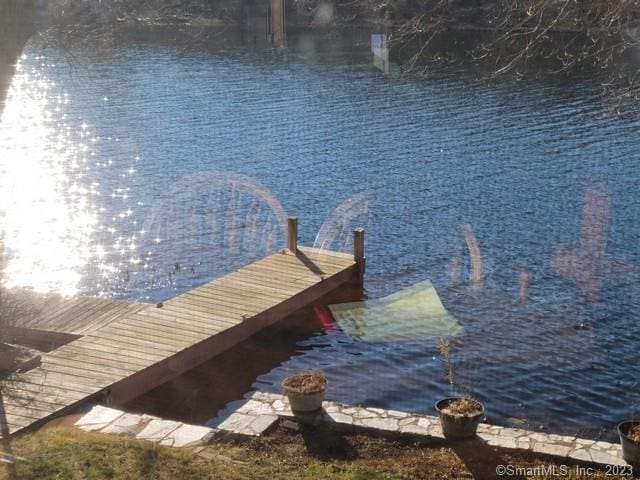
x: 77, y: 316
x: 127, y: 349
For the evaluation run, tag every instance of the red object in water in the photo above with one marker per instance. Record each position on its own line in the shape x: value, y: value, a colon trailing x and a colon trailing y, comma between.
x: 323, y: 314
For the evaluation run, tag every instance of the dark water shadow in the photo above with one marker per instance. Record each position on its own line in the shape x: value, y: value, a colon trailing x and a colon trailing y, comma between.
x: 198, y: 395
x: 195, y: 396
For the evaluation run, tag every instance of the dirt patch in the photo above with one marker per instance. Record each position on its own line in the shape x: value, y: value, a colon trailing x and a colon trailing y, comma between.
x: 322, y: 452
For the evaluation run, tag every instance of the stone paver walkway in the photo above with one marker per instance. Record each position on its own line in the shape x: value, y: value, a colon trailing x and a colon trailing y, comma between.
x: 144, y: 427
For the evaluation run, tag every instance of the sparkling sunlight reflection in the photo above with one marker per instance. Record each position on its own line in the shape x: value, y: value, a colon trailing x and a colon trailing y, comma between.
x: 47, y: 214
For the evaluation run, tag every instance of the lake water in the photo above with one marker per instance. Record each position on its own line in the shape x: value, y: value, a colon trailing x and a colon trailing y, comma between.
x: 140, y: 165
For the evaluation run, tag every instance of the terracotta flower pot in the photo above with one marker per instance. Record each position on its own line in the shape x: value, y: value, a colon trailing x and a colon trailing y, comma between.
x: 459, y: 425
x: 305, y: 391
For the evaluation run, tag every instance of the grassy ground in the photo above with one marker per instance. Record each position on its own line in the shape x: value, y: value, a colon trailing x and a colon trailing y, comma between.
x: 311, y: 454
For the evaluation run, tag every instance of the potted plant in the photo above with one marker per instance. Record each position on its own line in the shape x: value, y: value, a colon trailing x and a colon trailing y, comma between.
x: 459, y: 415
x: 630, y: 439
x: 305, y: 391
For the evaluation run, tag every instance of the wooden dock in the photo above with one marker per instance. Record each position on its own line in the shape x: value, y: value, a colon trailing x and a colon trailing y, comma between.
x: 132, y: 348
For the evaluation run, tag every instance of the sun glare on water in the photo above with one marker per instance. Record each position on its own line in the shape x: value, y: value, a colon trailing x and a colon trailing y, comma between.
x: 47, y: 212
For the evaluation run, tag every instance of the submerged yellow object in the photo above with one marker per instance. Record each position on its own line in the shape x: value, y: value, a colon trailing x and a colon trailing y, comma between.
x: 409, y: 314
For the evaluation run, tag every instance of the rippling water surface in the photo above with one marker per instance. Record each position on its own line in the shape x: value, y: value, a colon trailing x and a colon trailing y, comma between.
x: 105, y: 149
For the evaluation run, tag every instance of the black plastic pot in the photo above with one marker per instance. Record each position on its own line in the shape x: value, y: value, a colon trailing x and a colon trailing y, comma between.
x: 630, y: 449
x: 457, y: 427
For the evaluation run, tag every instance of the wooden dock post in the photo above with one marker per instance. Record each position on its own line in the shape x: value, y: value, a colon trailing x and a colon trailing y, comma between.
x: 292, y: 234
x: 358, y: 253
x: 276, y: 24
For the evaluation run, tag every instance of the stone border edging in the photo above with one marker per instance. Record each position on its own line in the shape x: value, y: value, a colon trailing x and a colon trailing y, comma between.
x: 261, y: 410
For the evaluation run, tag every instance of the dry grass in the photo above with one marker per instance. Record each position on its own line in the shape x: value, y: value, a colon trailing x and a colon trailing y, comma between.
x: 634, y: 433
x: 307, y: 454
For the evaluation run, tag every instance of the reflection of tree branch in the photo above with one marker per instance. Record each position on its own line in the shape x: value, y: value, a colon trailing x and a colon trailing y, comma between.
x: 539, y: 36
x: 16, y: 25
x: 544, y: 36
